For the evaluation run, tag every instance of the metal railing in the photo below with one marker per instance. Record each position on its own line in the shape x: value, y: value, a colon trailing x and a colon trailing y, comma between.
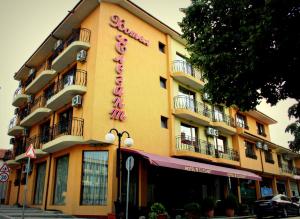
x: 184, y: 66
x: 37, y: 102
x: 72, y: 77
x: 222, y: 117
x: 187, y: 143
x: 73, y: 127
x: 242, y: 125
x: 81, y: 34
x: 13, y: 122
x: 184, y: 102
x: 18, y: 91
x: 287, y: 169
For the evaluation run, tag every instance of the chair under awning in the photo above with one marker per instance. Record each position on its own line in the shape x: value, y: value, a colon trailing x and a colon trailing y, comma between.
x: 192, y: 166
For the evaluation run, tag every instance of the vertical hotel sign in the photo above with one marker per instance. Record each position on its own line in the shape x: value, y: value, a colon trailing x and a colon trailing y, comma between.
x: 118, y: 112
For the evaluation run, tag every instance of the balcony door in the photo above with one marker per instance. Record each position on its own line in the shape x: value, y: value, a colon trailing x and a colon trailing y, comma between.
x: 65, y: 122
x: 69, y: 77
x: 187, y: 98
x: 218, y: 114
x: 188, y: 135
x: 45, y: 132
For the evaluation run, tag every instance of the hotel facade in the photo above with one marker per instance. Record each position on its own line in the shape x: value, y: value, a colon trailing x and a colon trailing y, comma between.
x: 110, y: 64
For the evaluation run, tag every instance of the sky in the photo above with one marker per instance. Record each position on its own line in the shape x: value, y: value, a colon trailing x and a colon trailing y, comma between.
x: 25, y: 25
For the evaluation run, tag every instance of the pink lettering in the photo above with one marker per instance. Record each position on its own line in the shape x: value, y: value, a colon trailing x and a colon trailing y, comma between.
x: 114, y: 19
x: 117, y: 114
x: 118, y: 91
x: 119, y: 68
x: 119, y: 80
x: 119, y: 59
x: 118, y: 102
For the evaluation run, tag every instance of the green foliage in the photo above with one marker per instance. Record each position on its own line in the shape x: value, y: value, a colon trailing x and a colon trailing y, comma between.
x: 247, y: 49
x: 156, y: 209
x: 208, y: 203
x: 192, y: 207
x: 231, y: 202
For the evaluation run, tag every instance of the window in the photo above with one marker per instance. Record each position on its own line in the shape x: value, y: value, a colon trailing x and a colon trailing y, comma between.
x: 69, y: 77
x: 269, y: 156
x: 164, y: 122
x: 188, y: 134
x: 218, y: 114
x: 279, y: 160
x: 39, y: 183
x: 241, y: 121
x: 221, y: 144
x: 260, y: 129
x: 290, y: 165
x: 163, y: 82
x: 65, y: 121
x: 94, y: 178
x: 161, y: 47
x: 49, y: 92
x: 45, y: 132
x: 61, y: 177
x: 250, y: 150
x: 187, y: 98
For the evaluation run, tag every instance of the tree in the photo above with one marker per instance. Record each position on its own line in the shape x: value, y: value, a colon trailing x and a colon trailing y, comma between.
x: 247, y: 49
x: 294, y: 129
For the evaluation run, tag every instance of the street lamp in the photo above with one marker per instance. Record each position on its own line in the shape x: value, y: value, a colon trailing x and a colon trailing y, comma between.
x: 110, y: 138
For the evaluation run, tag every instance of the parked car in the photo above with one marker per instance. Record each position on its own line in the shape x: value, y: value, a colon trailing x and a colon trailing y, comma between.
x: 278, y: 205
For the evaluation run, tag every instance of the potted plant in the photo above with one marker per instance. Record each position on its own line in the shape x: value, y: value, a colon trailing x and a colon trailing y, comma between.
x: 209, y: 207
x: 192, y: 210
x: 231, y: 204
x: 157, y: 211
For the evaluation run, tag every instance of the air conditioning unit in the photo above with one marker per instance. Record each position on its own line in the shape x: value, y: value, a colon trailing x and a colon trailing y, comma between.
x: 265, y: 147
x: 77, y: 101
x: 12, y: 141
x: 57, y: 44
x: 31, y: 71
x: 205, y: 97
x: 16, y: 111
x: 212, y: 132
x: 259, y: 144
x: 81, y: 56
x: 26, y: 132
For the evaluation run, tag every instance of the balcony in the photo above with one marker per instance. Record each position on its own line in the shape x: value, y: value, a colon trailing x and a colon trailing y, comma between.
x: 286, y: 169
x: 14, y: 128
x: 66, y: 53
x: 186, y: 74
x: 22, y: 147
x: 189, y: 109
x: 36, y: 112
x: 224, y: 123
x: 38, y: 82
x: 189, y: 144
x: 65, y: 134
x: 66, y: 88
x: 19, y: 98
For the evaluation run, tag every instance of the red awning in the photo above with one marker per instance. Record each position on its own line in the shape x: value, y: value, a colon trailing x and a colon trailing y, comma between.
x: 193, y: 166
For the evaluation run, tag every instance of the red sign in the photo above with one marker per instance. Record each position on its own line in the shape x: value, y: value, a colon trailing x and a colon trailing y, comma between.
x: 30, y: 152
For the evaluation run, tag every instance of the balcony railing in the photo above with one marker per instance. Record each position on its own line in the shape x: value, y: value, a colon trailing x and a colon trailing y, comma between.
x: 13, y: 122
x: 82, y: 35
x: 75, y: 77
x: 222, y: 117
x: 20, y: 147
x: 187, y: 143
x: 287, y: 169
x: 18, y: 91
x: 184, y: 102
x: 183, y: 66
x: 243, y: 125
x: 72, y: 127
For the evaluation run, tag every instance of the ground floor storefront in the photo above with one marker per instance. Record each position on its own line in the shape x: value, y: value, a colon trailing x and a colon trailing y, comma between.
x: 82, y: 180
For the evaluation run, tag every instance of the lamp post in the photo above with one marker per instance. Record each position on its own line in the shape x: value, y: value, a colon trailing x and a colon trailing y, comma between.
x: 110, y: 138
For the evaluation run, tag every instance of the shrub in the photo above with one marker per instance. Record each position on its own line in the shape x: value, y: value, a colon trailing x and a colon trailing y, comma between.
x: 156, y: 209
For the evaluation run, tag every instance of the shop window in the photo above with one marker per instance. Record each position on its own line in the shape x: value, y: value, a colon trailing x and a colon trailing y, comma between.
x: 94, y: 178
x: 161, y: 47
x: 250, y: 153
x: 163, y: 82
x: 39, y: 183
x: 241, y: 121
x: 269, y: 156
x: 260, y: 129
x: 164, y: 122
x: 61, y: 178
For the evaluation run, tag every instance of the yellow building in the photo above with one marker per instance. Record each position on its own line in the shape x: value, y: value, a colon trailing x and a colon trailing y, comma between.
x: 112, y: 65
